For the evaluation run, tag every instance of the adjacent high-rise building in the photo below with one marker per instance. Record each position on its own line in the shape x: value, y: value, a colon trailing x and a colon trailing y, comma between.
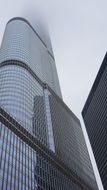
x: 95, y: 119
x: 42, y: 146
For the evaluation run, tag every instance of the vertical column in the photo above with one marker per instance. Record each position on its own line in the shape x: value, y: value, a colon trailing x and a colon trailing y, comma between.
x: 49, y: 121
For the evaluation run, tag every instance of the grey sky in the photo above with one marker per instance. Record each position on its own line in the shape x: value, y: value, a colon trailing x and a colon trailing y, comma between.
x: 78, y: 30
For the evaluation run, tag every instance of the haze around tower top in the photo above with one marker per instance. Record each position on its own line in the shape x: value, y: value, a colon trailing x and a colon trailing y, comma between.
x: 78, y: 31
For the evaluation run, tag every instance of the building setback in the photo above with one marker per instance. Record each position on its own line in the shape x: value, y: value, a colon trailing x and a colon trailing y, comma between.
x: 95, y: 118
x: 42, y: 145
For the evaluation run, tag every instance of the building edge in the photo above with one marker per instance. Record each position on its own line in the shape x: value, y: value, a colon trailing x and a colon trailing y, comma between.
x: 94, y: 87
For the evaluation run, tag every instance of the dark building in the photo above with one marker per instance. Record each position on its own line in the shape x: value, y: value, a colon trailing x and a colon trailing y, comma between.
x: 95, y: 119
x: 42, y: 146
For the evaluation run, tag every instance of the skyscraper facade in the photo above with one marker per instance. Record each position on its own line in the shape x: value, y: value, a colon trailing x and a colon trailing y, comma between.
x: 42, y: 144
x: 95, y: 119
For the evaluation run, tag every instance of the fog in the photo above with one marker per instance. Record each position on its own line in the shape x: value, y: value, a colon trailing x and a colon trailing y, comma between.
x: 78, y: 31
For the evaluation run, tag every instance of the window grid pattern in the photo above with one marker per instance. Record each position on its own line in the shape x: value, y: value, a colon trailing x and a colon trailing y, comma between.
x: 95, y: 120
x: 20, y: 95
x: 17, y: 162
x: 70, y: 145
x: 50, y: 178
x: 24, y: 168
x: 24, y: 98
x: 21, y: 43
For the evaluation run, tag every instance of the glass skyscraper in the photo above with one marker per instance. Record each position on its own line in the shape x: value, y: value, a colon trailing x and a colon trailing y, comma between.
x: 95, y: 118
x: 42, y: 145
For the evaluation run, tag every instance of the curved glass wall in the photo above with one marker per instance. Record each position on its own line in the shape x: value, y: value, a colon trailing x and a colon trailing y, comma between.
x: 41, y: 114
x: 26, y: 98
x: 22, y: 96
x: 23, y: 44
